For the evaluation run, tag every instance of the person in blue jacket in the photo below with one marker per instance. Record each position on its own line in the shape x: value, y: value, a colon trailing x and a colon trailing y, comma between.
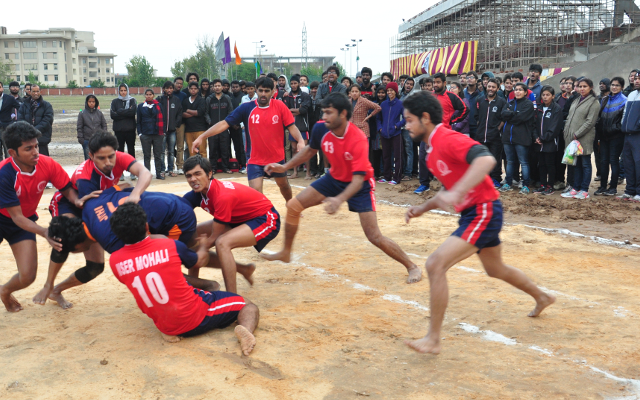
x: 390, y: 123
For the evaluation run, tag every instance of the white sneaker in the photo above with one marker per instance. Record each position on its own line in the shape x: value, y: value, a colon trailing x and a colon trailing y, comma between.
x: 636, y: 198
x: 49, y: 185
x: 243, y: 171
x: 569, y: 195
x: 581, y: 195
x: 520, y: 184
x: 567, y: 189
x: 180, y: 171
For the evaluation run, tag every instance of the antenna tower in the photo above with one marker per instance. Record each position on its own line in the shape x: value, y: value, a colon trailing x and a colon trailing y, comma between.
x: 304, y: 45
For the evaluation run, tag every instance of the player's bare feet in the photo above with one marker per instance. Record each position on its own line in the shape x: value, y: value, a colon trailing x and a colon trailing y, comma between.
x: 541, y: 304
x: 171, y: 339
x: 246, y: 338
x: 10, y: 302
x: 424, y: 345
x: 308, y: 177
x: 62, y: 302
x: 248, y: 273
x: 279, y: 256
x: 42, y: 296
x: 415, y: 274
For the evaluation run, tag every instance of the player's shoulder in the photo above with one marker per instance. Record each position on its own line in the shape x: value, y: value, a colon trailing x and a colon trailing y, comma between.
x: 319, y: 127
x: 7, y: 167
x: 356, y: 133
x: 120, y: 155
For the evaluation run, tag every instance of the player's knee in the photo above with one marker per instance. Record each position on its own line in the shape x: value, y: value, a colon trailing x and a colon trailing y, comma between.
x: 294, y: 209
x: 27, y: 278
x: 89, y: 271
x: 493, y: 272
x: 375, y: 238
x: 434, y: 265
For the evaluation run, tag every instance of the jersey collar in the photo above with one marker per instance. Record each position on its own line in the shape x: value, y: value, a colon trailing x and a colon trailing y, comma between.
x: 345, y: 132
x: 431, y: 137
x: 258, y: 105
x: 205, y: 197
x: 22, y: 172
x: 95, y: 167
x: 133, y: 244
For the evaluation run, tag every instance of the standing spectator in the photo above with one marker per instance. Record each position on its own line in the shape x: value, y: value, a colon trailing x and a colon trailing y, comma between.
x: 39, y: 113
x: 390, y: 123
x: 150, y: 124
x: 325, y: 77
x: 250, y: 95
x: 236, y: 130
x: 193, y: 111
x: 627, y: 91
x: 191, y: 77
x: 484, y: 79
x: 472, y: 94
x: 631, y: 149
x: 178, y: 82
x: 8, y: 115
x: 508, y: 86
x: 611, y: 137
x: 331, y: 85
x: 449, y: 101
x: 375, y: 144
x: 14, y: 90
x: 363, y: 110
x: 226, y: 86
x: 346, y: 82
x: 581, y: 126
x: 570, y: 96
x: 90, y: 121
x: 172, y: 113
x: 461, y: 126
x: 386, y: 78
x: 548, y: 129
x: 561, y: 98
x: 533, y: 83
x: 517, y: 135
x: 304, y: 84
x: 462, y: 78
x: 27, y: 92
x: 205, y: 88
x: 359, y: 78
x: 218, y: 107
x: 426, y: 84
x: 300, y: 105
x: 489, y: 122
x: 367, y: 89
x: 409, y: 153
x: 605, y: 89
x: 123, y: 113
x: 317, y: 162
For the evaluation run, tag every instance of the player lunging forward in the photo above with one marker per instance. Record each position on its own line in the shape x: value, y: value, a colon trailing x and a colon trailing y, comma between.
x: 350, y: 179
x: 151, y: 270
x: 463, y: 166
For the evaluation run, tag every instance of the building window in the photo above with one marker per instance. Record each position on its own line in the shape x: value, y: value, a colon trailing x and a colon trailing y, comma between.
x: 46, y: 67
x: 29, y: 44
x: 84, y: 70
x: 16, y: 44
x: 84, y: 60
x: 18, y: 78
x: 108, y: 79
x: 55, y: 67
x: 6, y: 44
x: 30, y: 56
x: 55, y: 78
x: 84, y: 80
x: 44, y: 43
x: 30, y: 67
x: 61, y: 44
x: 65, y: 56
x: 98, y: 70
x: 54, y: 43
x: 107, y: 70
x: 65, y: 68
x: 16, y: 56
x: 6, y: 56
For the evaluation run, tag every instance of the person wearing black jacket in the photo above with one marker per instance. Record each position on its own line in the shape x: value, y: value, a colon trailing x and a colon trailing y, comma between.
x: 218, y: 106
x: 172, y: 115
x: 8, y: 114
x: 517, y: 135
x: 489, y: 123
x: 299, y: 103
x: 627, y: 91
x: 193, y: 111
x: 236, y: 131
x: 549, y: 126
x: 39, y: 113
x: 191, y: 77
x: 123, y: 113
x: 205, y: 88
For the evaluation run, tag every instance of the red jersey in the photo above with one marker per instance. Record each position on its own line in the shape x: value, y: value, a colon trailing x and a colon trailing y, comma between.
x: 23, y: 189
x: 447, y: 160
x: 230, y: 202
x: 151, y: 270
x: 87, y: 177
x: 265, y: 126
x: 348, y: 155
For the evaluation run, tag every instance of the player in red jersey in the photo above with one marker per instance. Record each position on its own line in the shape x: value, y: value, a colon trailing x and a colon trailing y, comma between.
x: 101, y: 171
x: 350, y: 179
x: 242, y: 216
x: 151, y: 269
x: 463, y: 166
x: 23, y: 178
x: 265, y: 121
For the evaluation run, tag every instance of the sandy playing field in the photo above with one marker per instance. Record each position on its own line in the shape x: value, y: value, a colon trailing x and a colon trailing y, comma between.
x: 333, y: 324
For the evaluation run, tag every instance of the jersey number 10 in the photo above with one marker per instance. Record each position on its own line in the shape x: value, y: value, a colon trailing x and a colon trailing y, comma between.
x: 156, y: 287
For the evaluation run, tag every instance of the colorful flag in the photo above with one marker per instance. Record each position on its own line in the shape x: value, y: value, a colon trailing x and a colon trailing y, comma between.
x: 258, y: 66
x: 227, y: 51
x: 235, y: 50
x: 220, y: 48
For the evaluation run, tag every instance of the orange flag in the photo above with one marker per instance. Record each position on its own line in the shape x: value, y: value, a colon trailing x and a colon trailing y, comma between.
x: 235, y: 50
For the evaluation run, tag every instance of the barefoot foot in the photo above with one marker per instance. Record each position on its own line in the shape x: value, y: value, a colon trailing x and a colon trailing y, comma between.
x: 171, y: 339
x: 246, y: 339
x: 42, y: 296
x: 248, y: 273
x: 544, y: 302
x: 10, y: 302
x: 415, y: 274
x: 424, y: 345
x: 62, y: 302
x: 308, y: 178
x: 279, y: 256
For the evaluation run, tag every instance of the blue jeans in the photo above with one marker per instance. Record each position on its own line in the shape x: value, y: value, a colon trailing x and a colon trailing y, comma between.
x: 610, y: 151
x: 631, y: 157
x: 85, y: 149
x: 168, y: 148
x: 408, y: 150
x: 517, y: 153
x: 582, y: 173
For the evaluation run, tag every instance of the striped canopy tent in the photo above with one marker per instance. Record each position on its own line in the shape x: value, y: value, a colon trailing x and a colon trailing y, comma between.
x: 452, y: 60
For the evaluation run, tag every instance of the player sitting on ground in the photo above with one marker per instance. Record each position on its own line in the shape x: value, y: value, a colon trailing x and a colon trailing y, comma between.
x: 242, y: 216
x: 151, y: 270
x: 350, y: 179
x: 23, y: 178
x: 265, y: 120
x: 101, y: 171
x: 463, y: 166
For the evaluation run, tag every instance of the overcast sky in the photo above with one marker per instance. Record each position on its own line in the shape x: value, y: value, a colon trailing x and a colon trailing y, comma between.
x: 136, y: 27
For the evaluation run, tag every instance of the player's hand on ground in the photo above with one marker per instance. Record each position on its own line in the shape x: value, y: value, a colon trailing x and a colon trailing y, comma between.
x: 54, y: 242
x: 301, y: 145
x: 331, y: 204
x: 274, y: 168
x: 92, y: 195
x: 195, y: 146
x: 413, y: 212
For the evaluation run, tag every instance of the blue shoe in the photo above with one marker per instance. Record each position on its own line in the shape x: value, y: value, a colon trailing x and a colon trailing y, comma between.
x: 496, y: 184
x: 421, y: 189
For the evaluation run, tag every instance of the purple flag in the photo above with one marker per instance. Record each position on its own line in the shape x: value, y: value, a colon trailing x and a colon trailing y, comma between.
x: 227, y: 51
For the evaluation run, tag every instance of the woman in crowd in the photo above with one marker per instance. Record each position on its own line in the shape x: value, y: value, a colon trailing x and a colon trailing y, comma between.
x: 581, y: 126
x: 90, y: 120
x: 548, y: 128
x: 123, y: 113
x: 390, y: 123
x: 461, y: 126
x: 517, y: 135
x: 361, y: 109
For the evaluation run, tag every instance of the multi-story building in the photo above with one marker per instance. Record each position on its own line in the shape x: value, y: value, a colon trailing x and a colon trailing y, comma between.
x: 56, y: 56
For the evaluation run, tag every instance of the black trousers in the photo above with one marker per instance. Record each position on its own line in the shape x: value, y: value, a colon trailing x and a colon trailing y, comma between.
x: 155, y: 141
x: 495, y: 147
x: 219, y: 149
x: 560, y: 167
x: 392, y: 149
x: 128, y: 138
x: 423, y: 172
x: 534, y: 163
x: 43, y: 149
x: 547, y: 167
x: 238, y: 146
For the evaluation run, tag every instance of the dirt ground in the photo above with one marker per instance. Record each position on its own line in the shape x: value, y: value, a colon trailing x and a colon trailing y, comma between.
x: 333, y: 323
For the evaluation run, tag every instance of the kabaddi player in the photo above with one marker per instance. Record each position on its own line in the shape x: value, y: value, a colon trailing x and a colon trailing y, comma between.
x: 463, y: 166
x: 265, y: 121
x: 101, y: 171
x: 350, y: 179
x: 23, y: 178
x: 151, y: 270
x: 242, y: 216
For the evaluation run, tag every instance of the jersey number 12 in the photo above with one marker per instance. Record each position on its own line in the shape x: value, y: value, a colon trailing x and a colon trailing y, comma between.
x: 156, y: 287
x: 255, y: 119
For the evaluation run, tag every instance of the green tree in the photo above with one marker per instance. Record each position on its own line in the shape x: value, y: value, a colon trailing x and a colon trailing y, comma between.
x: 311, y: 71
x: 32, y: 78
x: 203, y: 62
x: 140, y: 72
x: 72, y: 85
x: 5, y: 70
x: 97, y: 84
x: 243, y: 72
x: 160, y: 81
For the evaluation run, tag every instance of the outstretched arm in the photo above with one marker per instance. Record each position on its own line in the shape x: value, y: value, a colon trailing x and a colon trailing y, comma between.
x: 25, y: 223
x: 300, y: 158
x: 214, y: 130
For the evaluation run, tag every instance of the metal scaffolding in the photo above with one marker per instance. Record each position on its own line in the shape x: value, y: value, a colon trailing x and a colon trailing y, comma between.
x: 513, y: 33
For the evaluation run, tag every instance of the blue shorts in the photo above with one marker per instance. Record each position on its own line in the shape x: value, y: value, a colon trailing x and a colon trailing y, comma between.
x: 265, y: 228
x: 257, y: 171
x: 363, y: 201
x: 480, y: 225
x: 305, y: 136
x: 185, y: 225
x: 223, y: 311
x: 60, y: 205
x: 12, y: 232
